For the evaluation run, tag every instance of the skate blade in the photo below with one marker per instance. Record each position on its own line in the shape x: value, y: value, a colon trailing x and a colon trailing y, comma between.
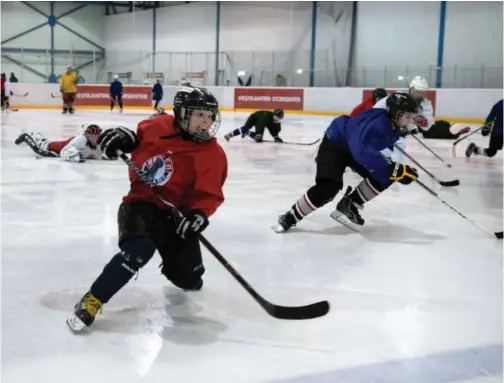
x: 341, y: 218
x: 277, y: 228
x: 75, y: 324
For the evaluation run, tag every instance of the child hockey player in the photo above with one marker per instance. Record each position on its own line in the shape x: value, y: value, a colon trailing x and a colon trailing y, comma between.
x: 68, y: 88
x: 73, y: 149
x: 493, y: 126
x: 356, y: 143
x: 116, y: 92
x: 260, y: 119
x: 157, y: 94
x: 377, y: 95
x: 191, y: 178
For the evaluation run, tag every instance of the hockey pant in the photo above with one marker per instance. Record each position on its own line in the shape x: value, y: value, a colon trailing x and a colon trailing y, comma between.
x: 332, y: 161
x: 68, y: 100
x: 156, y: 102
x: 113, y: 99
x: 143, y: 229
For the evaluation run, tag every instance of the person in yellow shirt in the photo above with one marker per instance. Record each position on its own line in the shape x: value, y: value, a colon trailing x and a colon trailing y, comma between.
x: 68, y: 88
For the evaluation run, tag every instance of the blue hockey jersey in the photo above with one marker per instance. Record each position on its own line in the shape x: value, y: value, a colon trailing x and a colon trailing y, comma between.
x: 366, y: 136
x: 495, y: 116
x: 116, y: 88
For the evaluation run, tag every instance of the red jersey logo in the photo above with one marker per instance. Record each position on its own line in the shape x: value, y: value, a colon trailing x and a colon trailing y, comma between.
x: 158, y: 169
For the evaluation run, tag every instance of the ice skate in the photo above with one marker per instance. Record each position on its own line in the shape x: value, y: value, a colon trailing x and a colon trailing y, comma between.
x: 85, y: 313
x: 227, y: 137
x: 285, y: 222
x: 347, y: 212
x: 471, y: 149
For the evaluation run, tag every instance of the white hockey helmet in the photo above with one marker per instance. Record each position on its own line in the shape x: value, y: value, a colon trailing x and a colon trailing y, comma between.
x: 116, y: 77
x: 419, y: 83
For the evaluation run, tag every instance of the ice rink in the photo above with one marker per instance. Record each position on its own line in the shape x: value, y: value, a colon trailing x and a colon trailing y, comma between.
x: 416, y: 296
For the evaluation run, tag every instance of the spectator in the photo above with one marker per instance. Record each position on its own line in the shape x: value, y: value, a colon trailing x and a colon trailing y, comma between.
x: 13, y: 78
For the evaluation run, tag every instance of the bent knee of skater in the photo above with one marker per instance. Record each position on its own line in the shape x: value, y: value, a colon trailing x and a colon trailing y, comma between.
x: 185, y: 280
x: 137, y: 251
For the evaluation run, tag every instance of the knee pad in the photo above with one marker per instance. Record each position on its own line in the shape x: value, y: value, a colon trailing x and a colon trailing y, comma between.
x: 186, y: 281
x: 136, y: 253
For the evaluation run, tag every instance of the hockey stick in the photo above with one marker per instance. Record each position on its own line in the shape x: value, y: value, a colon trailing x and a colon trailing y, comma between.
x: 312, y: 311
x: 26, y: 138
x: 53, y: 96
x: 432, y: 192
x: 442, y: 183
x: 21, y: 95
x: 290, y: 143
x: 454, y: 152
x: 430, y: 150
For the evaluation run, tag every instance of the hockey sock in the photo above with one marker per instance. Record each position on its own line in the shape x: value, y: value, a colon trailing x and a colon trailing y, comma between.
x: 243, y: 130
x: 303, y: 207
x: 120, y: 103
x: 365, y: 192
x: 134, y: 254
x: 316, y: 196
x: 112, y: 104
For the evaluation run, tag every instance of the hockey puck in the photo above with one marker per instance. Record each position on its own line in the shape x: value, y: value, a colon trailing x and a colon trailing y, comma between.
x: 449, y: 183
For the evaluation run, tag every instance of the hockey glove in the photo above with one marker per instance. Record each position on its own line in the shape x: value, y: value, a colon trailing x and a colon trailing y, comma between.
x: 422, y: 121
x: 192, y: 224
x: 278, y: 139
x: 258, y: 138
x: 119, y: 138
x: 486, y: 130
x: 401, y: 173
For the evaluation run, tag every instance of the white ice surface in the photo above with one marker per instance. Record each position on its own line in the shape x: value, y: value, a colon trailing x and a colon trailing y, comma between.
x: 415, y: 297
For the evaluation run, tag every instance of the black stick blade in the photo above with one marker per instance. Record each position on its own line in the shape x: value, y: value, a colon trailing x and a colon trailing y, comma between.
x: 498, y: 235
x: 449, y: 183
x: 315, y: 310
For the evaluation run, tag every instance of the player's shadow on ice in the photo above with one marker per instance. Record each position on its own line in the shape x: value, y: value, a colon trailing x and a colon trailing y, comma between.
x: 135, y: 311
x: 381, y: 231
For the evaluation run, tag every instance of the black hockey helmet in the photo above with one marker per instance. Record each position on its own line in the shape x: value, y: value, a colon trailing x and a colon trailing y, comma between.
x: 400, y: 103
x: 378, y: 94
x: 93, y: 130
x: 278, y: 112
x: 187, y: 102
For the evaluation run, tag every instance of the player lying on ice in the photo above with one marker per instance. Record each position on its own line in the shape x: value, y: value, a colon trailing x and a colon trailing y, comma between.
x: 357, y: 143
x: 424, y: 123
x: 74, y: 149
x: 188, y: 168
x: 261, y: 119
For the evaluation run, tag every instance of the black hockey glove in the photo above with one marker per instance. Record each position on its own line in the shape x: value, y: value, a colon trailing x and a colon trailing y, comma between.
x: 487, y: 129
x: 401, y: 173
x: 193, y: 223
x: 119, y: 138
x: 278, y: 139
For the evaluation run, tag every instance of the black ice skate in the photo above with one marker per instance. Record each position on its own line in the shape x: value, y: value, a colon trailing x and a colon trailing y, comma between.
x: 471, y: 149
x: 65, y: 111
x: 285, y: 222
x: 85, y: 312
x: 227, y: 137
x: 347, y: 212
x: 72, y: 110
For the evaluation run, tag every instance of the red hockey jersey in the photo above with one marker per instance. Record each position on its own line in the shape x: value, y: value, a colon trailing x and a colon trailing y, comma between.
x: 188, y: 174
x: 365, y: 105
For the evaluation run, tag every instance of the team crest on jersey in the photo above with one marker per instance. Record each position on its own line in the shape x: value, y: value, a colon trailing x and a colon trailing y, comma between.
x: 158, y: 169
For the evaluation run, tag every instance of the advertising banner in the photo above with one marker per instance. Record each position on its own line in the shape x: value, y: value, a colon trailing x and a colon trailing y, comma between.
x: 268, y: 98
x: 99, y: 95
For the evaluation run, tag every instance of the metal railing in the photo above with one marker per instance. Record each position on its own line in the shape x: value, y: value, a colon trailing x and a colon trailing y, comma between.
x: 288, y: 68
